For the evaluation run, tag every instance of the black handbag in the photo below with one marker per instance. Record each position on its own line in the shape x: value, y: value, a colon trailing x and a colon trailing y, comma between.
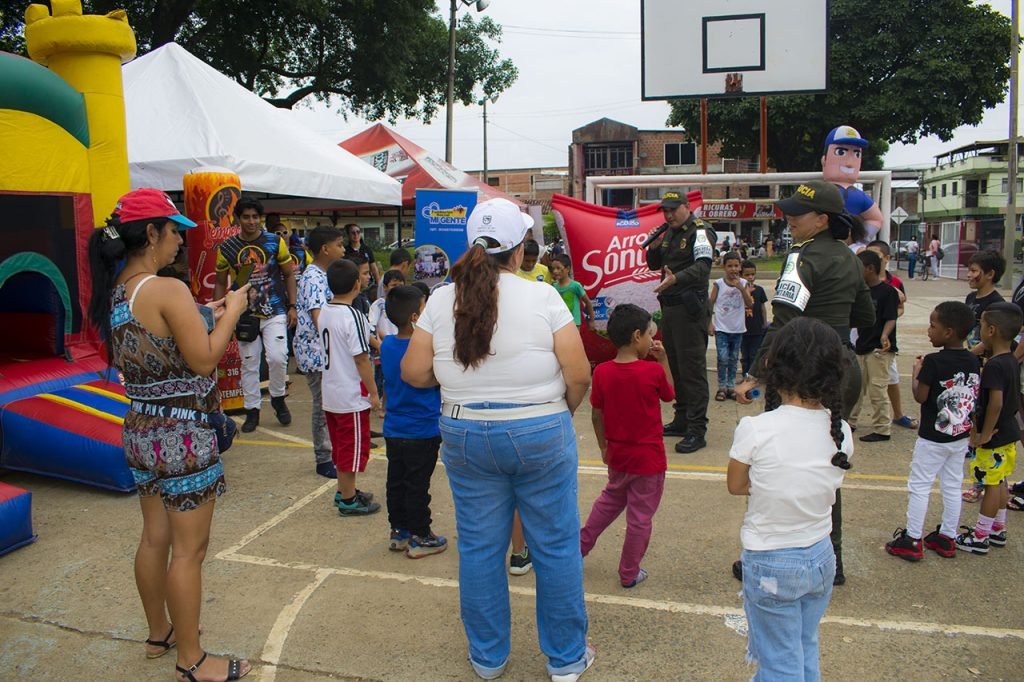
x: 247, y: 329
x: 225, y: 428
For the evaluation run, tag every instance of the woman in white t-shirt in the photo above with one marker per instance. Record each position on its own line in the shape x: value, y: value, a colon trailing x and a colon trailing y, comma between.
x: 512, y: 370
x: 790, y: 461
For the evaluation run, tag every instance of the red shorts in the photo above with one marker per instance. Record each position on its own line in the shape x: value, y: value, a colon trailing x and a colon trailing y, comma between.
x: 350, y: 439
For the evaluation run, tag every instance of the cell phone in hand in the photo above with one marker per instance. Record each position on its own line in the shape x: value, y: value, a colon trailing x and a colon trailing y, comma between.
x: 243, y: 274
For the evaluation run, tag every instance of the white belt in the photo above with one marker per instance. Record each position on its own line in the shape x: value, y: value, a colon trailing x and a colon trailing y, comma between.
x: 503, y: 414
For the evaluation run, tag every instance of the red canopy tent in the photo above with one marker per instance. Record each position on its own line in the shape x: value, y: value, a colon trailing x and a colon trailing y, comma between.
x: 413, y: 166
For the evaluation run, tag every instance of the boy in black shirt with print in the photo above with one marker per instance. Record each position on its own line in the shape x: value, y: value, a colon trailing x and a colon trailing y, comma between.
x: 996, y: 432
x: 946, y: 385
x: 875, y: 346
x: 983, y: 271
x: 757, y: 320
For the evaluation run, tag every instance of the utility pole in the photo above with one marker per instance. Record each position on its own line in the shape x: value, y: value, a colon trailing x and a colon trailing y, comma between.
x: 484, y: 101
x: 1010, y: 234
x: 450, y: 110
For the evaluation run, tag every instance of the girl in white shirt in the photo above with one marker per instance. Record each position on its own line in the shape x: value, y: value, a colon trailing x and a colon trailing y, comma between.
x: 790, y: 461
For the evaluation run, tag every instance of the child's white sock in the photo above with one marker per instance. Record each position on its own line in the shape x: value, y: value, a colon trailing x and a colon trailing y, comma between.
x: 983, y: 528
x: 1000, y: 521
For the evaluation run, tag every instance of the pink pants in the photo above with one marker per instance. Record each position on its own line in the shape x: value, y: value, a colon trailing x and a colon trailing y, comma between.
x: 640, y: 496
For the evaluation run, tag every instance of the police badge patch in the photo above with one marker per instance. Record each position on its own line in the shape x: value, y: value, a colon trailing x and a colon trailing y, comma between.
x: 702, y: 246
x: 682, y: 243
x: 790, y: 289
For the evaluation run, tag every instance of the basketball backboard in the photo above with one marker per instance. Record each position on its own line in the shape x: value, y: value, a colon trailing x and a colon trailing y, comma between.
x: 733, y: 48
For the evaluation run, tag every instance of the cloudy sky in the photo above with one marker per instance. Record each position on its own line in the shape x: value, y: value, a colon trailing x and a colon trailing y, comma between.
x: 578, y: 60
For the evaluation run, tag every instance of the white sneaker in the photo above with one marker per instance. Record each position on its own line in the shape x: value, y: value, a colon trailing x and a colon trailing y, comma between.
x: 572, y: 677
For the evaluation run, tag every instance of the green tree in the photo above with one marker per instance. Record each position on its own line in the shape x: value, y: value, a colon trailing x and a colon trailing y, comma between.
x: 375, y: 58
x: 898, y: 70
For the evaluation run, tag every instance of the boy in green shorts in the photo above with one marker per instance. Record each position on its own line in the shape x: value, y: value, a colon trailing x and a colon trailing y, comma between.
x: 570, y: 290
x: 996, y: 431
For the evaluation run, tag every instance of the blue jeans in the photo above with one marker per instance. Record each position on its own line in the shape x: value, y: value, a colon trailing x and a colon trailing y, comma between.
x: 785, y: 594
x: 728, y: 349
x: 911, y: 265
x: 493, y: 468
x: 750, y: 345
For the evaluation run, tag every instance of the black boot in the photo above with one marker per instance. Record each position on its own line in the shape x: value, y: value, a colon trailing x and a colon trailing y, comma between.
x: 252, y: 420
x: 840, y: 578
x: 281, y: 410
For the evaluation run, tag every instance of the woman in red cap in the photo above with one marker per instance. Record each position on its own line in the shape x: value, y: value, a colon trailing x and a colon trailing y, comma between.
x: 167, y: 349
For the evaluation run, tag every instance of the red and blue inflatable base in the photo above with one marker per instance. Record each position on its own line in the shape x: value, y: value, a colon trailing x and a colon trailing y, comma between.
x: 15, y: 518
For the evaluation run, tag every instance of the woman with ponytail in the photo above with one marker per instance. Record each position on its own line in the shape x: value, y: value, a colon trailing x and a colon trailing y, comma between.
x: 821, y: 279
x: 512, y: 370
x: 790, y: 461
x: 166, y: 349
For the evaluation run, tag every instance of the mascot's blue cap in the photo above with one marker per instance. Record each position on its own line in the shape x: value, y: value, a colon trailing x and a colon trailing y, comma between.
x: 846, y: 135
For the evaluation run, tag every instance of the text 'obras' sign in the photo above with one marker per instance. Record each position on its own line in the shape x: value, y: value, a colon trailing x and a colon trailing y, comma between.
x: 740, y: 210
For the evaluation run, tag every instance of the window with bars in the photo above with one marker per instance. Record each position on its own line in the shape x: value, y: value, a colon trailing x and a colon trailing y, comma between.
x: 680, y: 154
x: 610, y: 156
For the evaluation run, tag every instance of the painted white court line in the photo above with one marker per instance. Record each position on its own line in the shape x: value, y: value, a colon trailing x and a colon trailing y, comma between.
x: 283, y: 625
x: 914, y: 627
x: 274, y: 520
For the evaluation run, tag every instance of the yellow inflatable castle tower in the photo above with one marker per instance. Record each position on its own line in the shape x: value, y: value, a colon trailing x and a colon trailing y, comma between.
x: 62, y: 129
x: 87, y: 52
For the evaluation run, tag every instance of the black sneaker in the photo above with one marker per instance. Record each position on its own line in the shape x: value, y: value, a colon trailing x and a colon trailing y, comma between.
x: 281, y: 410
x: 520, y: 564
x: 997, y: 538
x: 690, y: 443
x: 874, y: 438
x: 376, y: 434
x: 360, y: 506
x: 940, y: 544
x: 359, y: 493
x: 425, y: 545
x: 252, y: 420
x: 327, y: 470
x: 904, y: 546
x: 673, y: 429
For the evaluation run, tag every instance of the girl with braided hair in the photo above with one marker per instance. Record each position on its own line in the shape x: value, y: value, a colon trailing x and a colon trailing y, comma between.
x: 790, y: 460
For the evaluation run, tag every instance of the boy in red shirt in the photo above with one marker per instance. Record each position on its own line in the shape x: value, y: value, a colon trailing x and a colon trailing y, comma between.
x: 627, y: 422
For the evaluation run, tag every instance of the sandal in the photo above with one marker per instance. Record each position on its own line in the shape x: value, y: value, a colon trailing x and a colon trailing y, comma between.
x: 906, y: 422
x: 234, y: 669
x: 730, y: 394
x: 165, y: 644
x: 1016, y: 503
x: 720, y: 396
x: 971, y: 495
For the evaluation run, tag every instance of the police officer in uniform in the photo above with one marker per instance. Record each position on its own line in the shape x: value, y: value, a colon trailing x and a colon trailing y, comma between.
x: 823, y: 279
x: 682, y: 249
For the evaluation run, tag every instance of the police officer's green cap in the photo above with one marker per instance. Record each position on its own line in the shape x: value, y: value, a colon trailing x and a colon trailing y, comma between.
x: 673, y: 200
x: 816, y: 195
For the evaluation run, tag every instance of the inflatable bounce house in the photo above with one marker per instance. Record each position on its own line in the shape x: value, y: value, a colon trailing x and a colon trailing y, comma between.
x: 62, y: 129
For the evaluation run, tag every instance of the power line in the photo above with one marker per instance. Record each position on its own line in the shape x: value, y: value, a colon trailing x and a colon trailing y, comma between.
x: 528, y: 139
x: 572, y: 30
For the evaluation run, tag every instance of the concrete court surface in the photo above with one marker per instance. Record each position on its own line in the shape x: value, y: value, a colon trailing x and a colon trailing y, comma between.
x: 307, y: 595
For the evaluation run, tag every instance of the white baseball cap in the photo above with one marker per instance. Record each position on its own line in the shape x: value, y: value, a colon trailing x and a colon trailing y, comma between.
x: 500, y: 220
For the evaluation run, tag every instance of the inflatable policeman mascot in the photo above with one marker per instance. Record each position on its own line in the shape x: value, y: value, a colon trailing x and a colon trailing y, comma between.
x: 840, y: 165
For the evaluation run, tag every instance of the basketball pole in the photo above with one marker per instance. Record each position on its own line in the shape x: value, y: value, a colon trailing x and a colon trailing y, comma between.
x: 764, y: 134
x: 703, y: 135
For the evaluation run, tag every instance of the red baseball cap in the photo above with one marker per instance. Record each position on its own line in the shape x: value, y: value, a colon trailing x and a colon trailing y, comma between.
x: 147, y: 203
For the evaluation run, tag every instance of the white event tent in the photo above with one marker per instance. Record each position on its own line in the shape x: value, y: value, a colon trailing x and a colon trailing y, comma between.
x: 183, y: 114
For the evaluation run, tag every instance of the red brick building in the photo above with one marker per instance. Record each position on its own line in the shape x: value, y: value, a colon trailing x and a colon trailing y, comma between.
x: 607, y: 147
x: 532, y: 186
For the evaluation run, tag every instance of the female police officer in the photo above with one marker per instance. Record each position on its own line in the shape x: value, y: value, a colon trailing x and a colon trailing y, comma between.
x: 821, y: 278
